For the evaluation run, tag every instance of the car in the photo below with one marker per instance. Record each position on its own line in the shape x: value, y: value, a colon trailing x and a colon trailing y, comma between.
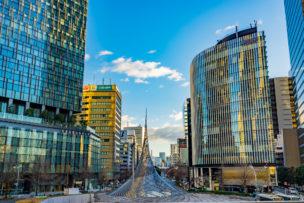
x: 286, y: 196
x: 267, y: 197
x: 293, y: 191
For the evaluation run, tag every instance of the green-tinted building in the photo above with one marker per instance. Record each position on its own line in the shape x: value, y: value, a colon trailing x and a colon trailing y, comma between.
x: 56, y: 156
x: 42, y: 48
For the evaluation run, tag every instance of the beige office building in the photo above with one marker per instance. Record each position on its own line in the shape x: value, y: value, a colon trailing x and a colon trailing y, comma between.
x: 284, y: 122
x: 139, y: 134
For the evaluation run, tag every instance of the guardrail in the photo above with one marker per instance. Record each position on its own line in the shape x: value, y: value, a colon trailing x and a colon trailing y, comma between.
x: 83, y: 198
x: 20, y: 118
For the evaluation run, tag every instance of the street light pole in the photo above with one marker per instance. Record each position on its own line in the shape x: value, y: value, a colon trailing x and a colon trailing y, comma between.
x: 18, y: 176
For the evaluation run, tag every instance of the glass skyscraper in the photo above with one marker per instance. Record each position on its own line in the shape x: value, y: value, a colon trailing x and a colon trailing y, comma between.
x: 294, y: 10
x: 42, y: 48
x: 230, y: 102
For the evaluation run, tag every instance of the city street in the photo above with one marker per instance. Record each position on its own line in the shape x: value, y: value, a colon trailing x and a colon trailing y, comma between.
x: 186, y: 197
x: 151, y: 101
x: 148, y: 186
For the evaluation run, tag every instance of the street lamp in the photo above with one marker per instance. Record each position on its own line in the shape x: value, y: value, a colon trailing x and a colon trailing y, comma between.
x: 18, y: 172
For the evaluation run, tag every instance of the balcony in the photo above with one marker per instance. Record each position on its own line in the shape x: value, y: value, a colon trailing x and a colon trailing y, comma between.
x: 17, y: 117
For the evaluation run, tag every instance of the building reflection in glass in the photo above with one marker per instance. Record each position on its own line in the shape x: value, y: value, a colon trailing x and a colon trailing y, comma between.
x: 231, y: 114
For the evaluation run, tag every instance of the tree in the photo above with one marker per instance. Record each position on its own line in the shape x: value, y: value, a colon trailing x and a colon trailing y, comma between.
x: 299, y: 175
x: 8, y: 177
x: 83, y: 123
x: 286, y: 175
x: 101, y: 177
x: 45, y: 115
x: 29, y: 112
x: 59, y: 118
x: 85, y: 174
x: 39, y: 173
x: 245, y: 177
x: 72, y: 120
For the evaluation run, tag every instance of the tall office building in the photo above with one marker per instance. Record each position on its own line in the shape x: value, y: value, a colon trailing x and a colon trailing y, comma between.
x: 42, y: 48
x: 294, y: 10
x: 282, y: 104
x: 182, y: 151
x: 230, y: 108
x: 187, y: 128
x: 101, y: 110
x: 284, y: 122
x: 162, y: 156
x: 139, y: 134
x: 127, y: 153
x: 174, y: 155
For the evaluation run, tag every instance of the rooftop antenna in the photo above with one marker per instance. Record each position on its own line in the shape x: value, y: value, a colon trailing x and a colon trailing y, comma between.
x: 103, y: 81
x: 255, y: 23
x: 110, y: 81
x: 94, y: 78
x: 236, y: 31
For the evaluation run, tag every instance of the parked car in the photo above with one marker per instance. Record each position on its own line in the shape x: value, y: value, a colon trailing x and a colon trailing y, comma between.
x: 287, y: 196
x: 267, y: 197
x: 293, y: 191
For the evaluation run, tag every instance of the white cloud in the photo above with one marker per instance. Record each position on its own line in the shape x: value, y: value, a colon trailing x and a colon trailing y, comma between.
x: 140, y: 81
x: 225, y: 29
x: 219, y: 31
x: 161, y: 86
x: 105, y: 53
x: 260, y: 22
x: 142, y: 70
x: 124, y: 80
x: 87, y: 57
x: 153, y: 51
x: 176, y: 115
x: 185, y: 84
x: 127, y: 120
x: 105, y: 69
x: 169, y: 133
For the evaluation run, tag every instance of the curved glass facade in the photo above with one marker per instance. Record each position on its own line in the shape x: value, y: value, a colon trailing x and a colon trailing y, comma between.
x: 230, y: 102
x: 42, y: 47
x: 294, y: 10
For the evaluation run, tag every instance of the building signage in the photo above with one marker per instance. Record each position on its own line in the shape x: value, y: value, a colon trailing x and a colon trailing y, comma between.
x: 104, y: 87
x: 96, y: 87
x: 182, y: 143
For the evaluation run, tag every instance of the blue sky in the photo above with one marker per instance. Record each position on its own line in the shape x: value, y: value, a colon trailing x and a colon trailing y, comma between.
x: 146, y: 48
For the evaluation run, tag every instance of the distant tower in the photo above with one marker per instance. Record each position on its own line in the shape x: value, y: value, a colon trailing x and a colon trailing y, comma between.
x: 146, y: 126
